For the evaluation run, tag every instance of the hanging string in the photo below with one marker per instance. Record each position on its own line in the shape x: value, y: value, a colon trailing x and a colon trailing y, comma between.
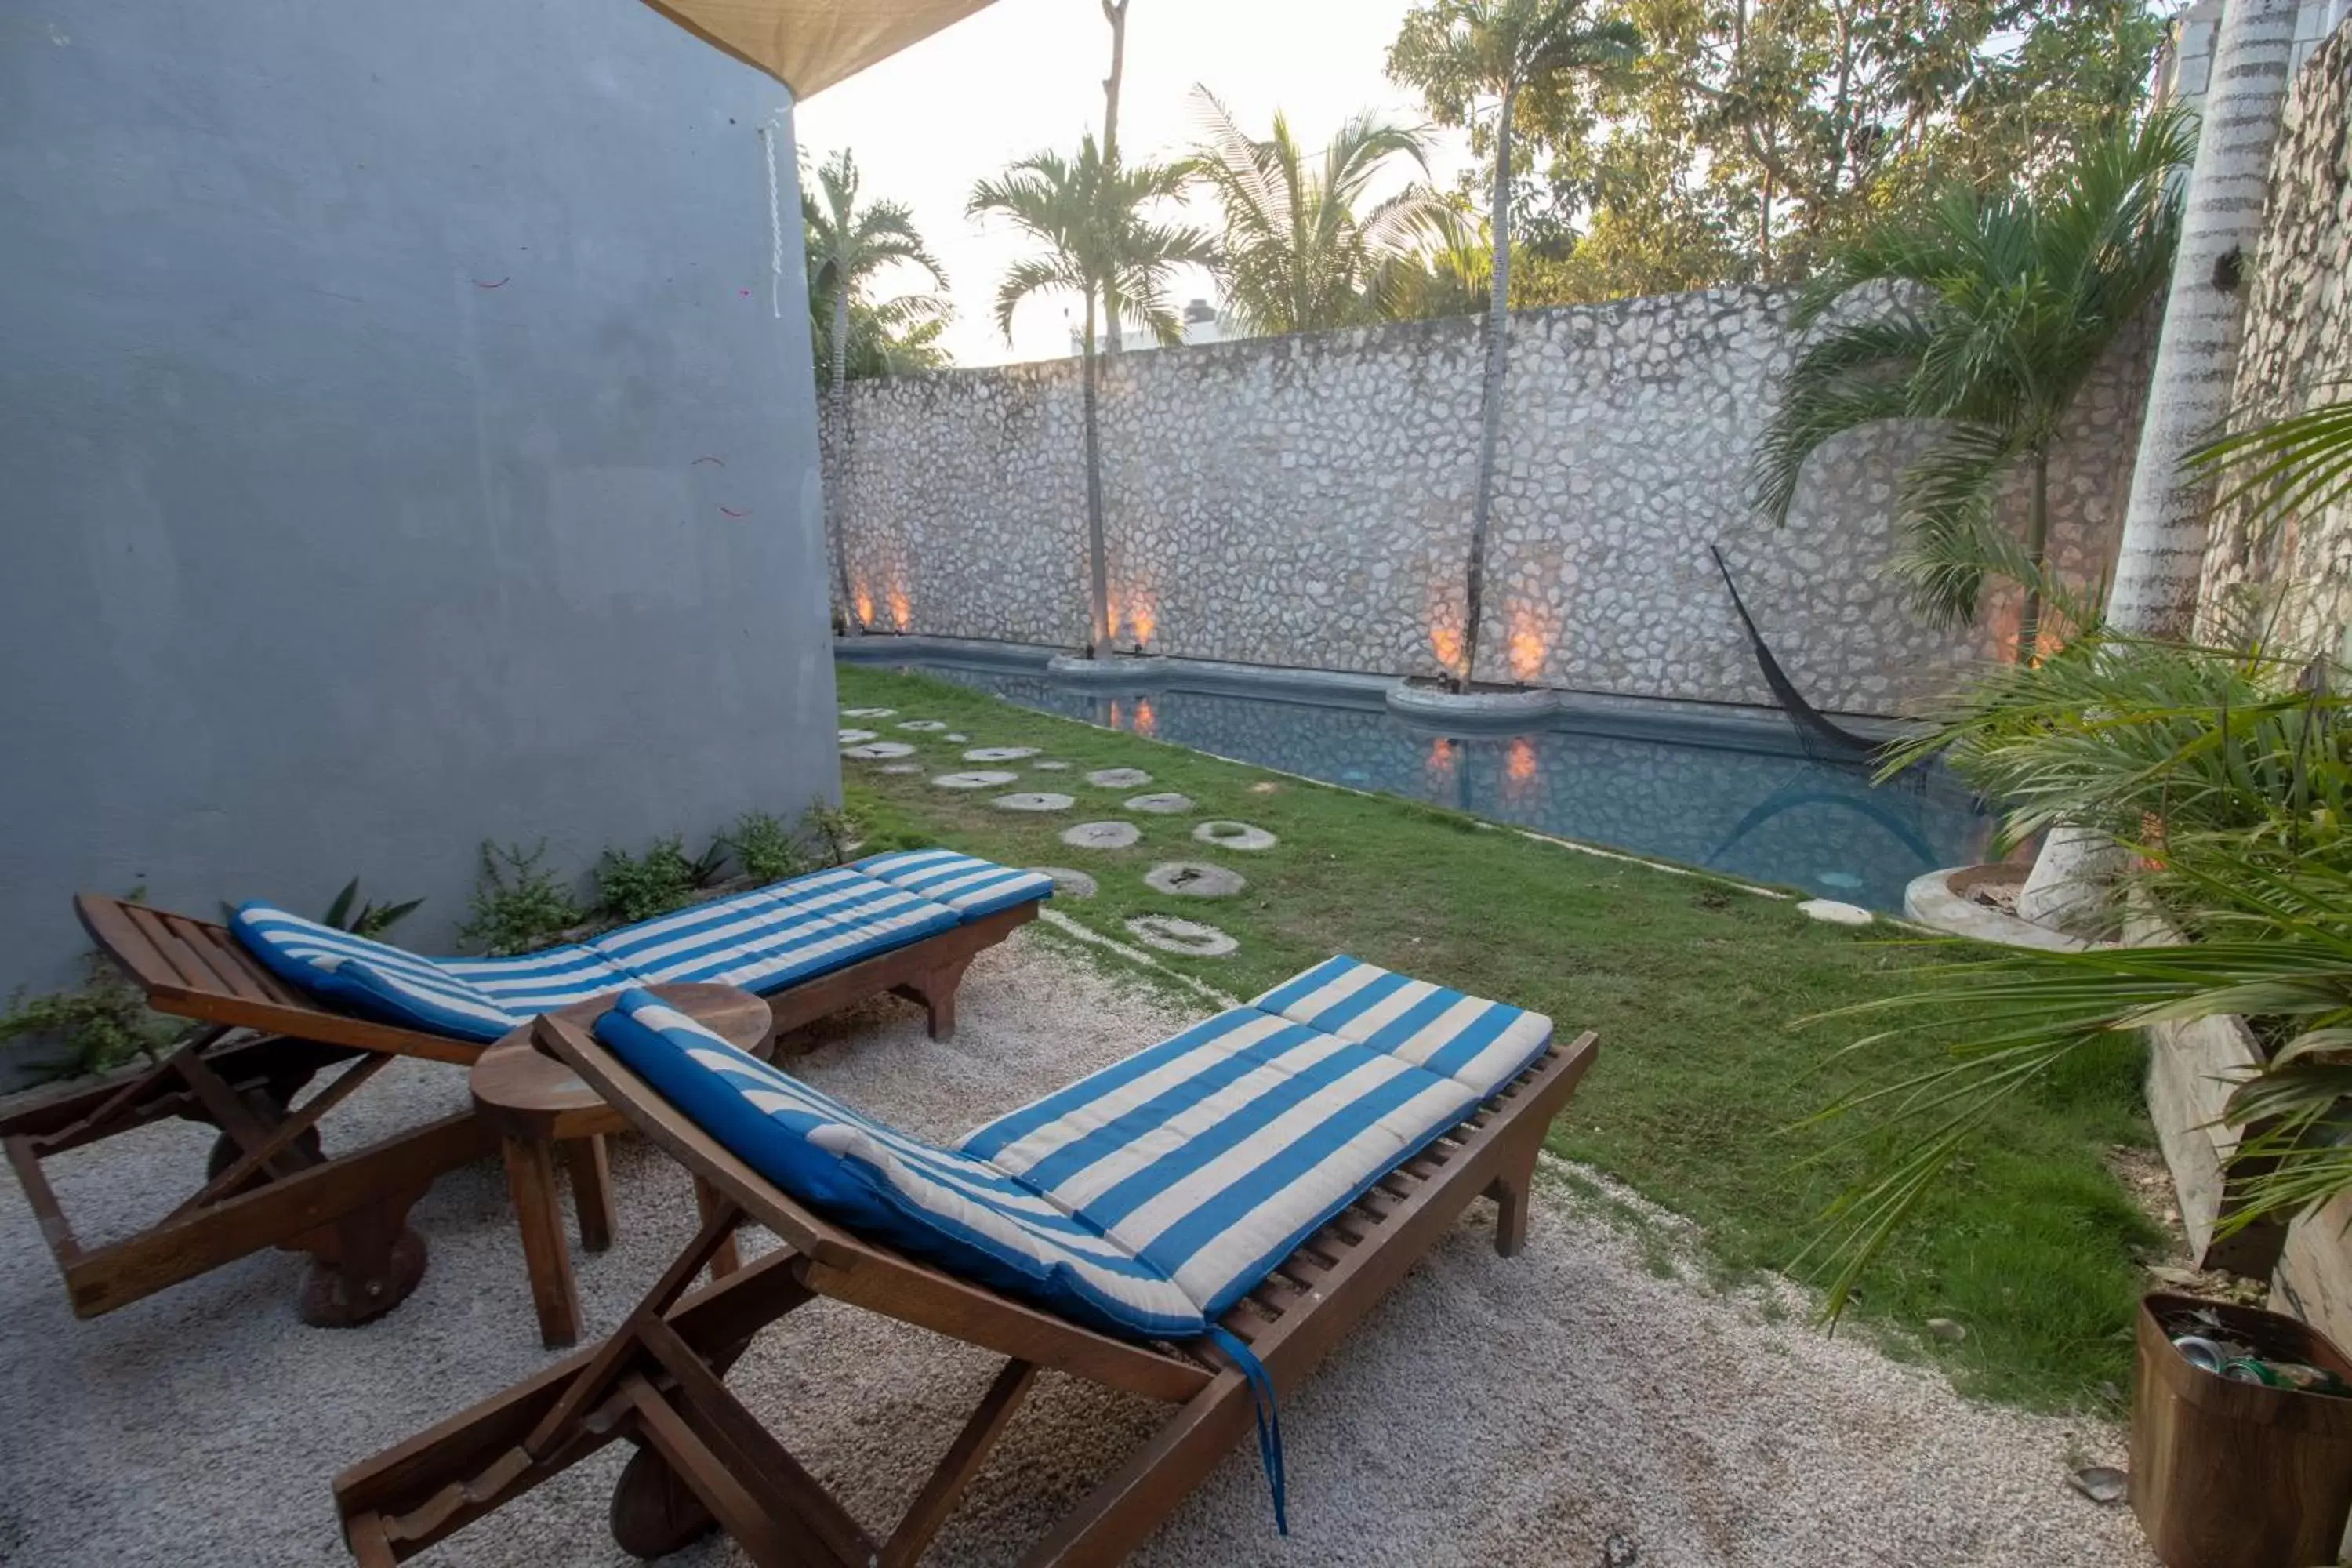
x: 775, y: 223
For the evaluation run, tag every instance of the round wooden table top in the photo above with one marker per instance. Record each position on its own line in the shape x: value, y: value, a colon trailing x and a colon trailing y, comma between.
x: 525, y: 1091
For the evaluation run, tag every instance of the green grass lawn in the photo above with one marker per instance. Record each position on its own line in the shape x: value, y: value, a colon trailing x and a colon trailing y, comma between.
x: 1693, y: 987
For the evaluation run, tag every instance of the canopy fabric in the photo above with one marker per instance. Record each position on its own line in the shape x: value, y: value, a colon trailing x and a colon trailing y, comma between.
x: 809, y: 45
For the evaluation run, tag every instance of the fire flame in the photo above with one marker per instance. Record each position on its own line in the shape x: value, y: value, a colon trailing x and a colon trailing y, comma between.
x: 1530, y: 641
x: 1141, y: 620
x: 865, y: 607
x: 901, y: 613
x: 1445, y: 631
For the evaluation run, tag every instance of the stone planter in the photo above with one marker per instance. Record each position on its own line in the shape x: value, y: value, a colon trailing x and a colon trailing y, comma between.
x: 1502, y: 711
x: 1940, y: 899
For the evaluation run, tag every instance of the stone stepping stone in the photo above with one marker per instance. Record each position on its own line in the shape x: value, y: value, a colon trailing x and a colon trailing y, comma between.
x: 1194, y: 879
x: 901, y: 767
x: 1051, y: 767
x: 1834, y: 912
x: 851, y: 737
x: 878, y: 750
x: 1119, y: 778
x: 1038, y: 800
x: 955, y: 740
x: 923, y: 726
x: 1162, y: 804
x: 1235, y: 835
x: 999, y: 753
x: 1068, y: 883
x: 1103, y: 835
x: 869, y: 712
x: 1190, y: 937
x: 973, y: 781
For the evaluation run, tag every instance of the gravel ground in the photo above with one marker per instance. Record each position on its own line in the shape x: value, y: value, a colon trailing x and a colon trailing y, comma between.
x: 1588, y: 1403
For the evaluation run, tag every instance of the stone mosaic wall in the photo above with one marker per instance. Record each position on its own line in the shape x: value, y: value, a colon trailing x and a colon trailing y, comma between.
x: 2297, y: 354
x: 1305, y: 501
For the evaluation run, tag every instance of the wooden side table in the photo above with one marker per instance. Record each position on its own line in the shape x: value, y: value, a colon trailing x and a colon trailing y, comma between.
x: 538, y: 1106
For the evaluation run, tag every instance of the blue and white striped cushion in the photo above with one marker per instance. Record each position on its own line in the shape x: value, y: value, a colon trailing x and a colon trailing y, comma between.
x: 541, y: 982
x: 1484, y: 1044
x: 765, y: 939
x: 1213, y: 1154
x: 949, y: 1208
x: 372, y: 979
x: 966, y: 885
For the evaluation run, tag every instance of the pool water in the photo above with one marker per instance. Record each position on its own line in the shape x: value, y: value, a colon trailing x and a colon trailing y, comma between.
x: 1749, y: 803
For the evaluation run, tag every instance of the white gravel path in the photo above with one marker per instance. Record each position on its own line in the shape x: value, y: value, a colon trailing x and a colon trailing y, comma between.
x: 1570, y: 1406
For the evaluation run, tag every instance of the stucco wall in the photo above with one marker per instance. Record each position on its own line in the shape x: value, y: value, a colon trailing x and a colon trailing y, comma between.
x: 2296, y: 575
x: 1306, y: 501
x: 357, y: 363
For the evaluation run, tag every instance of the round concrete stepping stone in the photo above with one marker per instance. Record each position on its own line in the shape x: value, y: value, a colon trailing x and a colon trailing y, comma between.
x: 901, y: 768
x: 1051, y: 767
x: 877, y: 750
x: 851, y: 737
x: 1162, y: 804
x: 1037, y: 800
x: 1190, y: 937
x: 1119, y: 778
x: 973, y: 781
x: 1103, y: 834
x: 1235, y: 835
x: 1068, y: 883
x: 1834, y: 912
x: 955, y: 740
x: 1194, y: 879
x: 923, y: 726
x: 999, y: 753
x: 869, y: 712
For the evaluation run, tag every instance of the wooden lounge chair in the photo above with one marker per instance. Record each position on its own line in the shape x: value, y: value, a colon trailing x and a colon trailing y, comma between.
x: 269, y: 1183
x: 704, y: 1460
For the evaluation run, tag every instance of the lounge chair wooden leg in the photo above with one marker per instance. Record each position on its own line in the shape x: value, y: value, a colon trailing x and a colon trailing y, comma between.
x: 727, y: 1256
x: 1510, y: 1191
x: 1114, y: 1518
x: 530, y: 1182
x: 936, y: 990
x: 592, y: 1191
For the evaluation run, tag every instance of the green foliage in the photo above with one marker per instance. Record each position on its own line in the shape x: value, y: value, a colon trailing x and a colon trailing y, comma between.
x: 368, y: 919
x: 887, y: 337
x: 639, y: 887
x: 847, y: 245
x: 1985, y: 315
x: 835, y: 831
x: 100, y: 1025
x: 765, y: 847
x: 2290, y: 467
x: 517, y: 905
x: 1297, y: 256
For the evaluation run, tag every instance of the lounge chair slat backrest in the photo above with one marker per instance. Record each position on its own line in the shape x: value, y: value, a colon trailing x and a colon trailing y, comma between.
x: 851, y: 1269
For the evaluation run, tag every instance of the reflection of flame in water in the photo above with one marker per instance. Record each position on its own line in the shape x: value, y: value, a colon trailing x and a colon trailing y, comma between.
x: 1530, y: 641
x: 1519, y: 771
x: 1145, y: 722
x: 901, y: 613
x: 1440, y: 768
x: 1113, y: 715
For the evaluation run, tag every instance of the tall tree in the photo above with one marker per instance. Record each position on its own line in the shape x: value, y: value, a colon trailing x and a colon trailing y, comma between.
x: 1985, y: 315
x: 1114, y: 13
x: 1101, y: 244
x: 847, y: 245
x: 1463, y: 54
x: 1297, y: 255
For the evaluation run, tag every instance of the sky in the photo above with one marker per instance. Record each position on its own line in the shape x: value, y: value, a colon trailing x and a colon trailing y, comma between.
x: 1025, y: 76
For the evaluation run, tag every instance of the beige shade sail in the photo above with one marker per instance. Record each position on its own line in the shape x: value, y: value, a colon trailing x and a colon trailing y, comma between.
x: 809, y: 45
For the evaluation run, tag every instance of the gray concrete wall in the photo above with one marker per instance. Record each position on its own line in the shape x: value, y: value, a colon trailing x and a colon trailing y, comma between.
x: 357, y: 363
x: 1306, y: 501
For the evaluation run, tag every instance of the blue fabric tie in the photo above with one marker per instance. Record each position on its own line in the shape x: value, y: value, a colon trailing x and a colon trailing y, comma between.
x: 1269, y: 1419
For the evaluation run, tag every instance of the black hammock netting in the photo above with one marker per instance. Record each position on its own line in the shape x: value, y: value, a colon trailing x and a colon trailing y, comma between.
x: 1811, y: 724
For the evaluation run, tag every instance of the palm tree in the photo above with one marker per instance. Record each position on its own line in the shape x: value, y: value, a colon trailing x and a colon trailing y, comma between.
x: 1985, y: 314
x: 1297, y: 257
x: 1100, y: 246
x: 1450, y: 273
x: 1459, y: 52
x: 899, y: 336
x: 846, y: 246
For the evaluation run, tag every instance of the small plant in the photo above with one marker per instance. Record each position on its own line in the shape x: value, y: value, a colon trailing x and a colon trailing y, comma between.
x: 368, y: 919
x: 102, y: 1024
x: 517, y: 904
x: 639, y: 887
x: 834, y: 830
x: 765, y: 847
x: 710, y: 868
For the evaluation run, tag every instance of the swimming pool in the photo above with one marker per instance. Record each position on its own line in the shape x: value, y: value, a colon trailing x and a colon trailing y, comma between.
x: 1736, y: 797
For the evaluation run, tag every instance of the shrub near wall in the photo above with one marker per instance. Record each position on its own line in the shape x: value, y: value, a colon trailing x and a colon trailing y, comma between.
x: 1305, y: 500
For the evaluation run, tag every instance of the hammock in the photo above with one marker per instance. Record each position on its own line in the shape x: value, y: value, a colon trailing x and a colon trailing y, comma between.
x: 1810, y: 722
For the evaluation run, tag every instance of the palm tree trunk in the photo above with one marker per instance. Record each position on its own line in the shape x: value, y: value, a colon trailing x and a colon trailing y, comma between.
x: 1099, y: 568
x: 836, y: 525
x: 2162, y: 556
x: 2037, y: 549
x: 2160, y: 562
x: 1498, y: 331
x: 1114, y: 13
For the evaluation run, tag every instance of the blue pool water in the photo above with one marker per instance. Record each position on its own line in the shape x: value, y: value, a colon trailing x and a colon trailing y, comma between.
x: 1737, y: 798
